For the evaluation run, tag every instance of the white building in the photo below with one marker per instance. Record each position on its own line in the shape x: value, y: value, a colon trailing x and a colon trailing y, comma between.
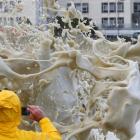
x: 39, y: 11
x: 8, y: 8
x: 113, y: 17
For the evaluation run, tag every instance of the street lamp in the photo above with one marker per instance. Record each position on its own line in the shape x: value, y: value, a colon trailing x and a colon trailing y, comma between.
x: 137, y: 24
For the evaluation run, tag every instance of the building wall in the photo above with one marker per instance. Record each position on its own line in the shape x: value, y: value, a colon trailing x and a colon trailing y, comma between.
x: 7, y: 16
x: 29, y: 10
x: 39, y: 11
x: 95, y: 12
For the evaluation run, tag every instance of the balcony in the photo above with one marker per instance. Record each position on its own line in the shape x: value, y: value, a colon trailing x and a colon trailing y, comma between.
x: 114, y: 27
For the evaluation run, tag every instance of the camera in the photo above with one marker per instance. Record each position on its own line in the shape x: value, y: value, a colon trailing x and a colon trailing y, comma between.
x: 25, y: 111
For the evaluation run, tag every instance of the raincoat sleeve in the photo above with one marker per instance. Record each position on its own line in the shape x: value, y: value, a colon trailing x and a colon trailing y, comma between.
x: 49, y: 132
x: 48, y: 128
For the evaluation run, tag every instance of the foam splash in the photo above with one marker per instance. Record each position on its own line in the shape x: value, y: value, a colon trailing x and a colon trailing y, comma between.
x: 87, y: 86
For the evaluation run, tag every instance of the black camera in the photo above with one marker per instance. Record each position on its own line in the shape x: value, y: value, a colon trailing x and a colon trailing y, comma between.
x: 24, y: 111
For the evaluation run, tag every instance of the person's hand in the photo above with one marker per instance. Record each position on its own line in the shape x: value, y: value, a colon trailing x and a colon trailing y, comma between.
x: 36, y: 113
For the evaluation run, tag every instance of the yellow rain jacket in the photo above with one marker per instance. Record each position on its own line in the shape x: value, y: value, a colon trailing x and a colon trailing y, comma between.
x: 10, y: 117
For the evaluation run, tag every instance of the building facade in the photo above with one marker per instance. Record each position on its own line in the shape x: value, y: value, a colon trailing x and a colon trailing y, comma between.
x: 113, y: 17
x: 9, y: 14
x: 39, y: 11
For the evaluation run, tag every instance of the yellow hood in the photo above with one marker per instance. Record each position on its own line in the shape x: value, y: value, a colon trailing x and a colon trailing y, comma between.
x: 10, y: 112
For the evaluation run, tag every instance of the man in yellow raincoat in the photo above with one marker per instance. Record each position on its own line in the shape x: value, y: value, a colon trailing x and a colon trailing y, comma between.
x: 10, y: 117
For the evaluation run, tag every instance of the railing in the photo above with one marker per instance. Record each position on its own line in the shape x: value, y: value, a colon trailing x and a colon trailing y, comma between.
x: 112, y: 27
x: 136, y: 26
x: 133, y: 27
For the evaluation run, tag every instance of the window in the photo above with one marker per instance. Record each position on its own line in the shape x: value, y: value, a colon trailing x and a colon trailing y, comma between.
x: 5, y: 21
x: 104, y: 7
x: 18, y: 19
x: 12, y: 3
x: 11, y: 21
x: 6, y: 9
x: 78, y: 6
x: 0, y: 5
x: 136, y: 7
x: 120, y: 7
x: 85, y: 7
x: 120, y: 22
x: 112, y: 7
x: 19, y: 1
x: 112, y: 22
x: 0, y: 20
x: 104, y: 22
x: 68, y: 5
